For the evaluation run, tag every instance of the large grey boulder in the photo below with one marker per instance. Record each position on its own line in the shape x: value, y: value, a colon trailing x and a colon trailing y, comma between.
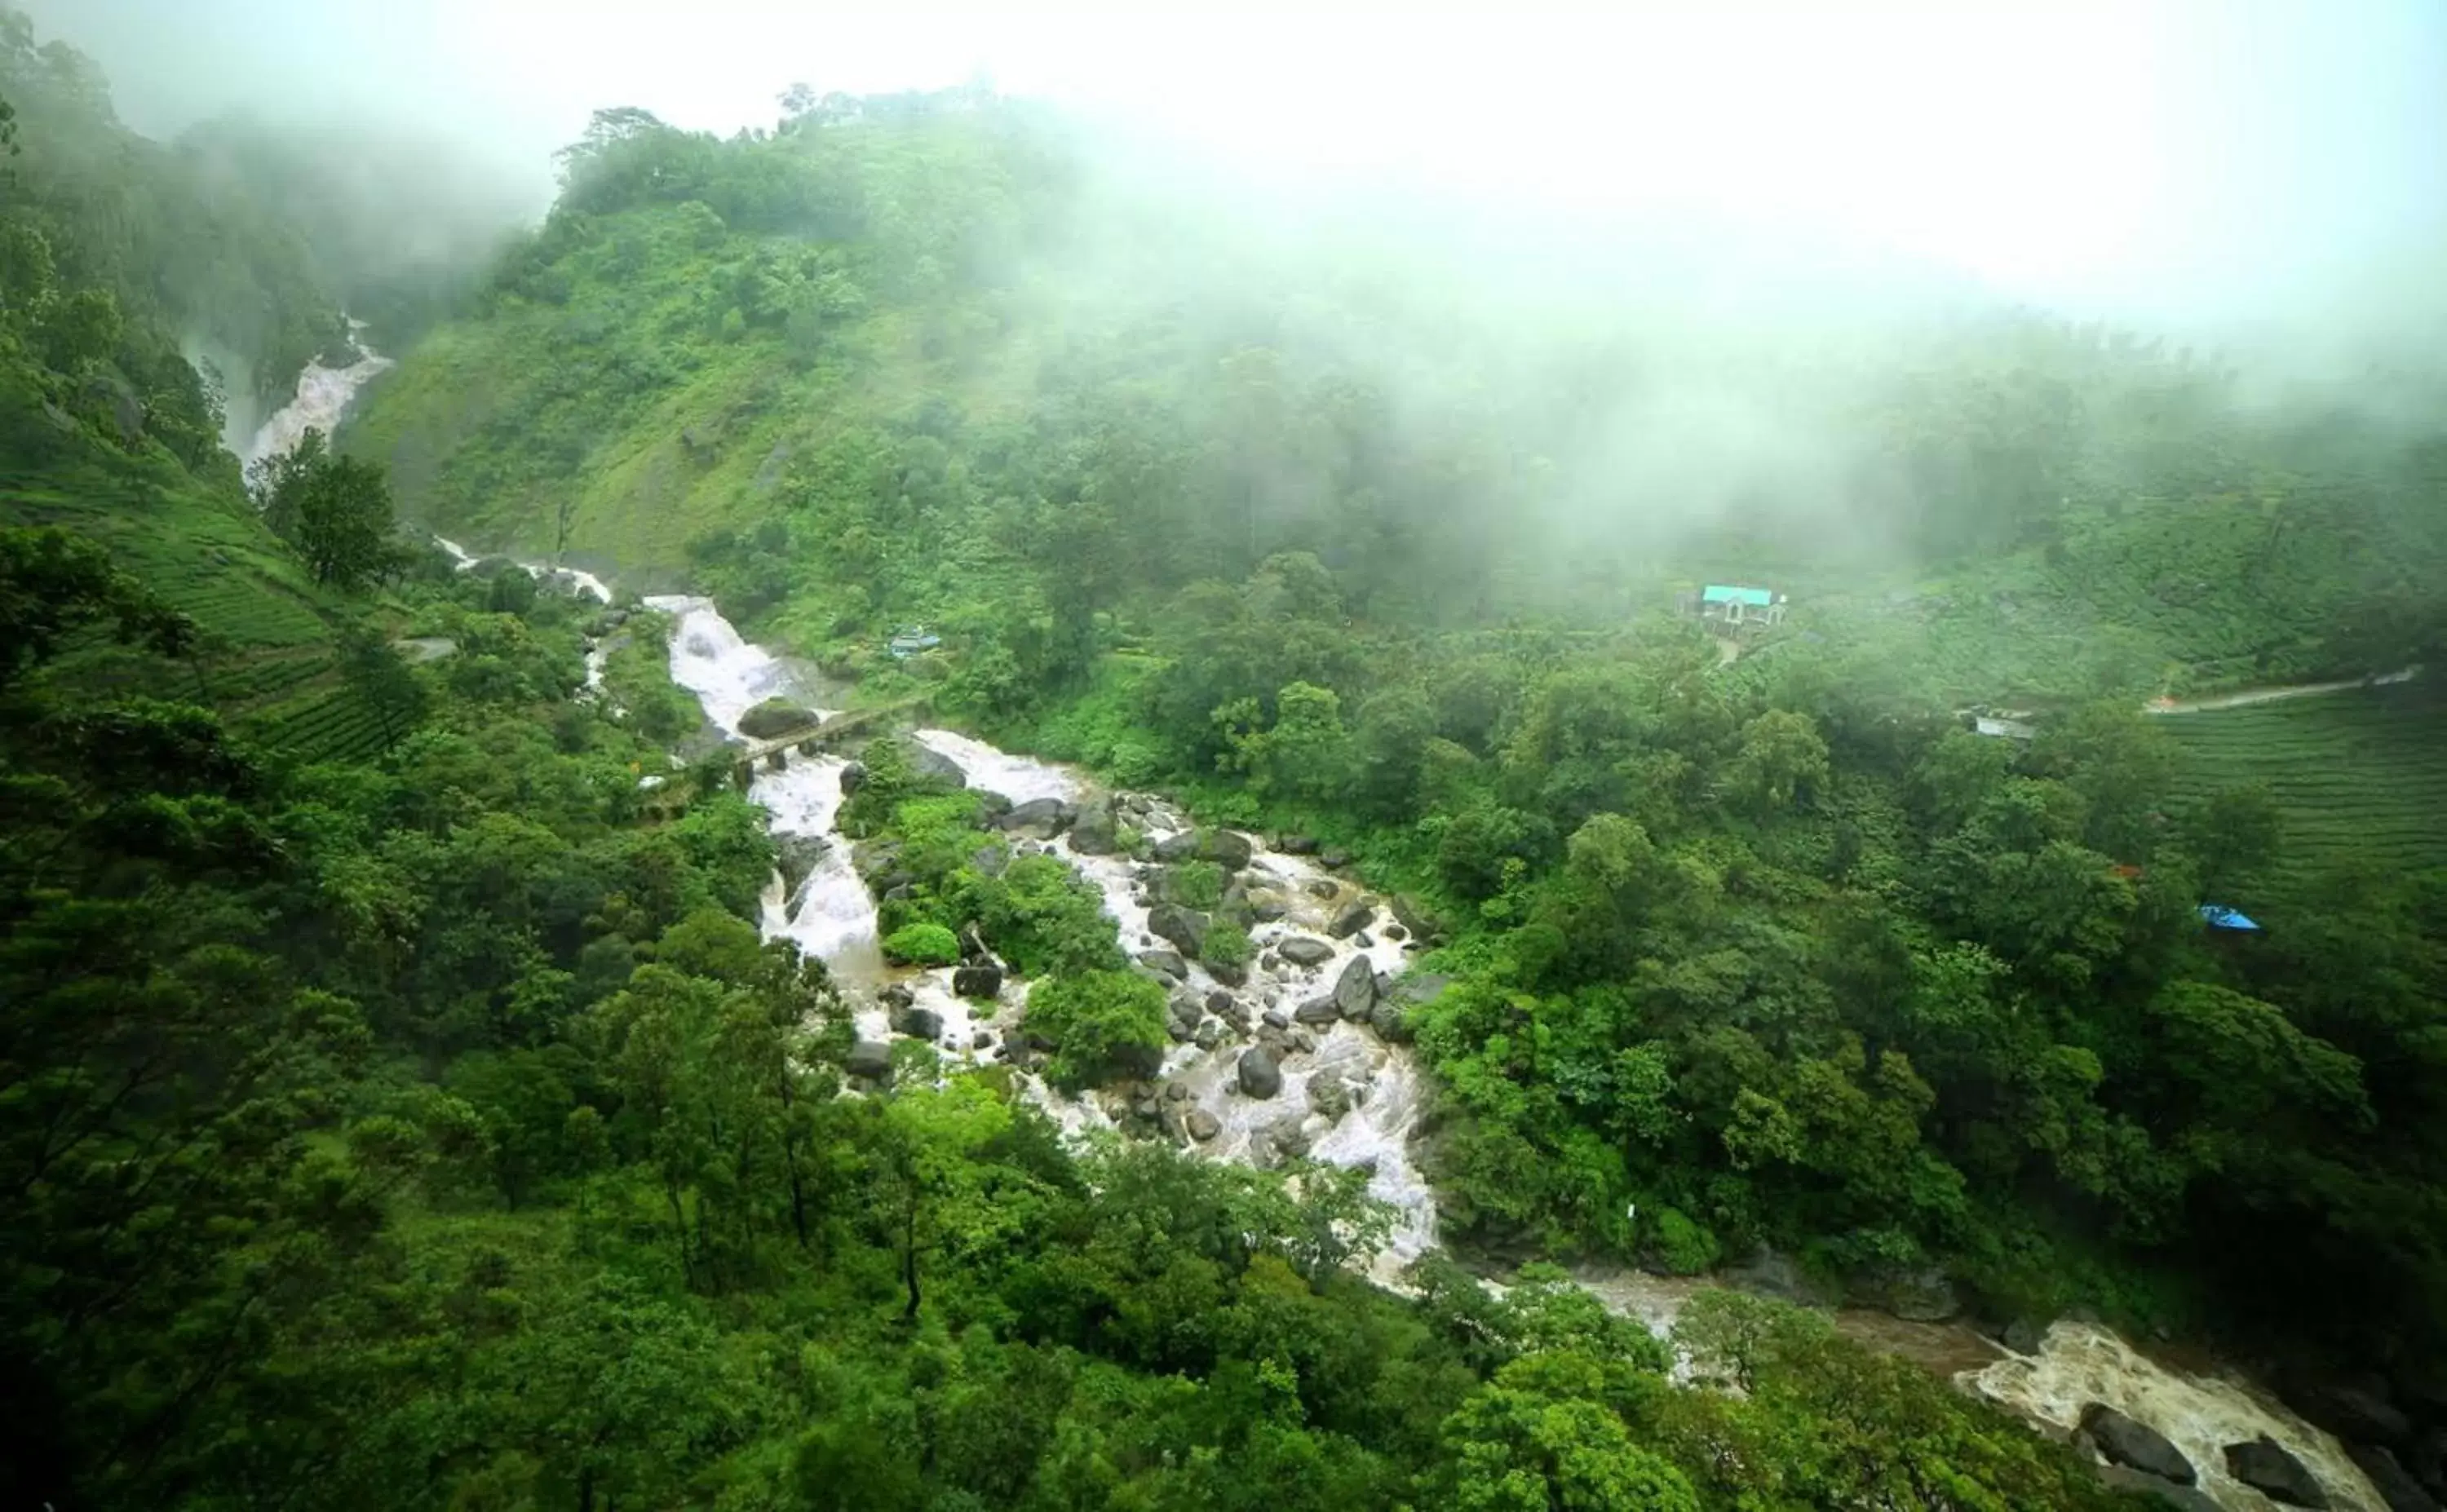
x: 1179, y: 926
x: 1352, y: 917
x: 1201, y: 1125
x: 2349, y: 1405
x: 797, y: 855
x: 1174, y: 849
x: 2162, y: 1494
x: 1354, y: 990
x: 918, y: 1023
x: 1168, y: 962
x: 1258, y: 1073
x: 1095, y: 831
x: 932, y: 765
x: 2269, y: 1469
x: 1319, y: 1011
x: 776, y: 716
x: 2137, y: 1446
x: 871, y: 1059
x: 878, y: 864
x: 1301, y: 949
x: 1184, y: 1008
x: 1225, y: 848
x: 2394, y: 1483
x: 853, y: 777
x: 1040, y: 817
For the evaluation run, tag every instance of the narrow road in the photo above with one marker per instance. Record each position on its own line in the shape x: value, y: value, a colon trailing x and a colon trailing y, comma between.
x: 2270, y: 695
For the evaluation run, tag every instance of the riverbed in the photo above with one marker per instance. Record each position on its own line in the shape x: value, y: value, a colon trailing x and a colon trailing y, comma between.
x: 829, y: 914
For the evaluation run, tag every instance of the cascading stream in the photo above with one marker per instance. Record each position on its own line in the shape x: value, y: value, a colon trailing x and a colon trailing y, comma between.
x: 830, y: 916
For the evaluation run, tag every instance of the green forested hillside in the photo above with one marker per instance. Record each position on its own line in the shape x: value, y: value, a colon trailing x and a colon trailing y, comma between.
x: 1322, y: 531
x: 404, y: 1110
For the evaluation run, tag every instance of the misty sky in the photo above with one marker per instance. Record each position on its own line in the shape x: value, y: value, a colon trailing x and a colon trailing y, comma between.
x: 2222, y: 159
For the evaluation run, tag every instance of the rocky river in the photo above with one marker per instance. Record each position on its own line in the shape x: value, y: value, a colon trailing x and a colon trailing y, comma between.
x: 1304, y: 1056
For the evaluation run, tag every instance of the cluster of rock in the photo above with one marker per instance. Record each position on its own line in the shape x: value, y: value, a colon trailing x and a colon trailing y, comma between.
x: 2137, y: 1457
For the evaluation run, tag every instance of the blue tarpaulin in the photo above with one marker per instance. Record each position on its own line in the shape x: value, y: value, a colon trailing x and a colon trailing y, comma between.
x: 2220, y: 917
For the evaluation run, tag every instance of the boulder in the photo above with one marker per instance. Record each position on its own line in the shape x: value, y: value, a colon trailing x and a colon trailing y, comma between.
x: 853, y: 777
x: 878, y: 864
x: 2162, y: 1493
x: 982, y: 1040
x: 1296, y: 844
x: 1201, y: 1125
x: 871, y: 1059
x: 932, y: 765
x: 982, y: 981
x: 1301, y: 949
x: 1352, y: 917
x: 1224, y: 847
x: 1224, y: 1005
x: 1264, y: 908
x: 1391, y: 1019
x: 1168, y: 962
x: 1396, y: 933
x: 1259, y: 1075
x: 2267, y: 1467
x: 1333, y: 860
x: 973, y: 946
x: 2023, y: 1336
x: 1413, y: 916
x: 2121, y: 1441
x: 777, y: 716
x: 1277, y: 1018
x: 797, y: 855
x: 918, y: 1023
x: 2391, y: 1480
x: 1321, y: 887
x: 1916, y: 1294
x: 1095, y: 831
x: 1210, y: 1033
x: 895, y: 997
x: 1040, y: 817
x: 2348, y: 1406
x: 1184, y: 1008
x: 1173, y: 849
x: 1318, y: 1010
x: 989, y: 859
x: 1182, y: 927
x: 1354, y: 990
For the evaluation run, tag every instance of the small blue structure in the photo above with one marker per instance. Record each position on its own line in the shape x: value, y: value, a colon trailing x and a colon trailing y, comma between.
x: 1737, y: 605
x: 910, y: 642
x: 2217, y: 915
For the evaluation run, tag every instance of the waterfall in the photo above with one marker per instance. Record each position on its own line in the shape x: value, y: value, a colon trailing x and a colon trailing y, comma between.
x: 831, y: 916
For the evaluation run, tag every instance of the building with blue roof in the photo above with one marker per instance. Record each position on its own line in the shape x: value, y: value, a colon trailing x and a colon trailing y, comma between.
x: 2217, y: 915
x: 1733, y: 604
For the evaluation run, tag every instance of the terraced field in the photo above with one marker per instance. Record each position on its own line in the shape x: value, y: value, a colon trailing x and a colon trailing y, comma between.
x: 266, y: 660
x: 2362, y: 775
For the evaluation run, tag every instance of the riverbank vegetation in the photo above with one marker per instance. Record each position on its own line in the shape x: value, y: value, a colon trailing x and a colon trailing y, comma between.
x: 411, y: 1115
x: 1770, y: 949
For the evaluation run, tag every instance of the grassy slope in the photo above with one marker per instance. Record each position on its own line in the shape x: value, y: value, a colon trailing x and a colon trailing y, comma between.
x: 628, y: 395
x: 268, y: 662
x: 2361, y: 776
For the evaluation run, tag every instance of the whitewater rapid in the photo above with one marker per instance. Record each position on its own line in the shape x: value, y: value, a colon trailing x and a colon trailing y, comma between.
x: 831, y: 916
x: 323, y: 397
